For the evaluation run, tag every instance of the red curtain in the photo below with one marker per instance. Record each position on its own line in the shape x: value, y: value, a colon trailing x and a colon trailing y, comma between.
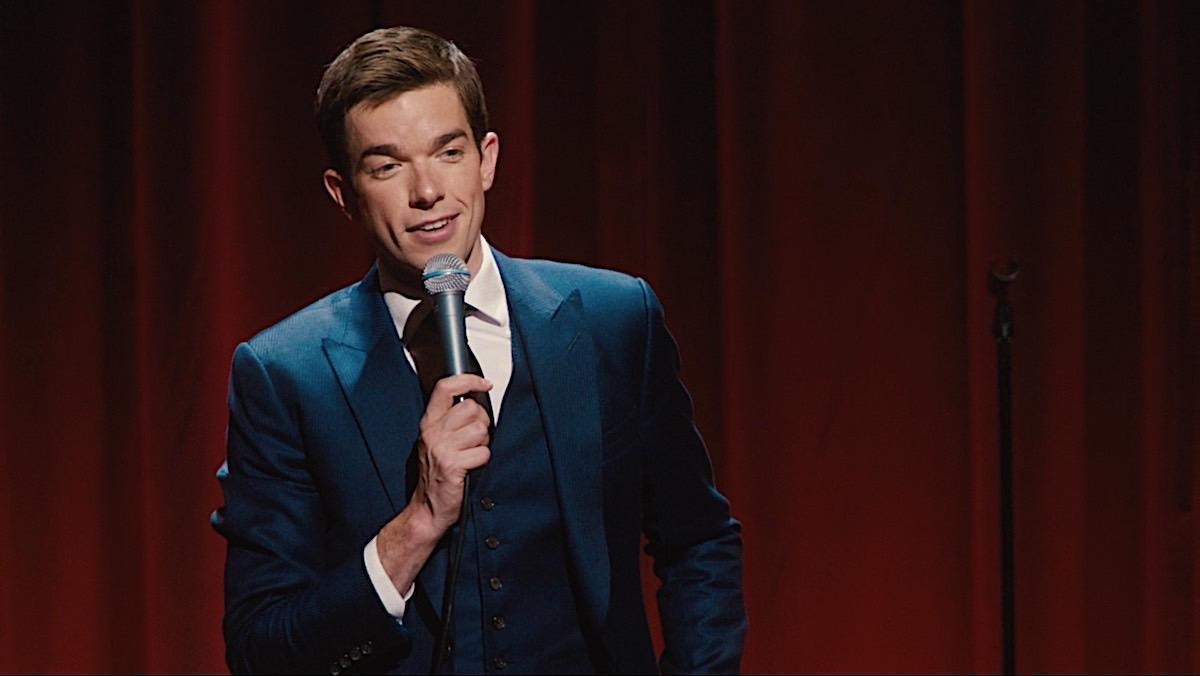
x: 816, y: 191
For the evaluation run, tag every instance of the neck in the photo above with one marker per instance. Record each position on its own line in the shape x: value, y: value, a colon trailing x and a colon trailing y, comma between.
x: 400, y: 278
x: 406, y: 280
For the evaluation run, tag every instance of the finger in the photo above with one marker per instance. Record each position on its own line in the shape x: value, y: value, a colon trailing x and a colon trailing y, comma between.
x: 447, y: 445
x: 444, y: 488
x: 474, y: 458
x: 473, y: 433
x: 463, y: 414
x: 446, y: 389
x: 449, y: 470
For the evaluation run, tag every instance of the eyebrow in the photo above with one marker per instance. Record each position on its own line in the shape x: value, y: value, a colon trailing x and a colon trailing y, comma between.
x: 391, y: 150
x: 446, y: 138
x: 383, y: 149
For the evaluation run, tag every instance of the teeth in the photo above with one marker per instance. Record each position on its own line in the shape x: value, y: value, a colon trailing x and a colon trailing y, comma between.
x: 436, y: 225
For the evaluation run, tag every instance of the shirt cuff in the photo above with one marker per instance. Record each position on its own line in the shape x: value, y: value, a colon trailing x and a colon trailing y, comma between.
x: 392, y: 600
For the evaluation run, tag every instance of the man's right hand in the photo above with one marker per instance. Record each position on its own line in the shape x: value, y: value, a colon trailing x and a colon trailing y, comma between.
x: 453, y: 441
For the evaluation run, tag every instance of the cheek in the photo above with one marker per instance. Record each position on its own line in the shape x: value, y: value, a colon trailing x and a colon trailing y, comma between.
x: 476, y: 189
x: 378, y: 210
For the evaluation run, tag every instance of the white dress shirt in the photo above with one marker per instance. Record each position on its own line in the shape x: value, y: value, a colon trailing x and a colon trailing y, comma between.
x: 490, y: 336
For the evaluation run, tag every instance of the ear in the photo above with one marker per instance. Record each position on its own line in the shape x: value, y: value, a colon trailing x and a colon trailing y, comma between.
x: 489, y: 152
x: 339, y: 191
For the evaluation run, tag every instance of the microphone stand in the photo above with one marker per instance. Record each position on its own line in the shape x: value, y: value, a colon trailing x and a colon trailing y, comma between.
x: 1002, y: 331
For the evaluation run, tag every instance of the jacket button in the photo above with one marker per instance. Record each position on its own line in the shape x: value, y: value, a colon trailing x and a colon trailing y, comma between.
x: 345, y: 661
x: 355, y: 654
x: 487, y: 503
x: 492, y: 542
x: 495, y: 584
x: 335, y: 671
x: 366, y: 648
x: 498, y: 622
x: 499, y: 662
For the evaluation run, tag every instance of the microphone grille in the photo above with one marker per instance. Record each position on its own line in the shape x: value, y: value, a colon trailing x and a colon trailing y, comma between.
x: 446, y: 273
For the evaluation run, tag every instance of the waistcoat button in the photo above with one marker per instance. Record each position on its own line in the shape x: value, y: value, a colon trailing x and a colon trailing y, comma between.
x: 487, y: 503
x: 495, y: 584
x: 499, y: 662
x: 498, y: 622
x: 492, y: 542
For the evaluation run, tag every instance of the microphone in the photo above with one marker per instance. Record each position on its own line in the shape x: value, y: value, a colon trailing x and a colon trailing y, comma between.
x: 446, y: 278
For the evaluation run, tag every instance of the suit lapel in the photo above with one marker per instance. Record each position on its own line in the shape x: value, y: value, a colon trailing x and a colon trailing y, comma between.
x: 562, y: 365
x: 379, y: 385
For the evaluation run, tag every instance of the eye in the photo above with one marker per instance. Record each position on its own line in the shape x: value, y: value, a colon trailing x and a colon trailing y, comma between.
x: 384, y: 170
x: 453, y: 154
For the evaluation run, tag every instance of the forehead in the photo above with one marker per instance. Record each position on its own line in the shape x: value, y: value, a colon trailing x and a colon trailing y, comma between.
x: 411, y: 118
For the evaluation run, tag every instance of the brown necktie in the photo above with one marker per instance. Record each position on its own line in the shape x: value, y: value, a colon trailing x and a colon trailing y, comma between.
x: 423, y: 343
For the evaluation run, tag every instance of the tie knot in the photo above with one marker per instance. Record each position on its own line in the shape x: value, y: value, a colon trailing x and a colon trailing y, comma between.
x: 416, y: 322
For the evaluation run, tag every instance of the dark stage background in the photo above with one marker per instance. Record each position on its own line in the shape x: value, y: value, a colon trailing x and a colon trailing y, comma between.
x: 815, y: 189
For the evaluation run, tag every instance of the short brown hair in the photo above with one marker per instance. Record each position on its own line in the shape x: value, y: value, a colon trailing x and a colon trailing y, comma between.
x: 383, y: 64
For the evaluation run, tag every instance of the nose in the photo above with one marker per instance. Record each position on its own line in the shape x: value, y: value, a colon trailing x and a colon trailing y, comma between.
x: 426, y: 188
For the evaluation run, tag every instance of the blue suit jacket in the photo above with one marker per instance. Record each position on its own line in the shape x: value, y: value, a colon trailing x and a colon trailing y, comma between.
x: 323, y: 417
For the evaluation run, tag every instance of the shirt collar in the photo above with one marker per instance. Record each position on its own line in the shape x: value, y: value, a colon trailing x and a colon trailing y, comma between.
x: 485, y: 295
x: 486, y: 292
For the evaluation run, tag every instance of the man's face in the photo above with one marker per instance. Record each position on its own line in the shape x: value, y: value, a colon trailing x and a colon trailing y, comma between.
x: 418, y: 179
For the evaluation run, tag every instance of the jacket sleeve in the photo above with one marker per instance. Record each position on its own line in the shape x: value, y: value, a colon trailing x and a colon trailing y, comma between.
x: 289, y: 607
x: 695, y: 543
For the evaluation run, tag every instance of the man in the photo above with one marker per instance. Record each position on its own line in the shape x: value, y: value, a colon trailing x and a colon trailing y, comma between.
x: 344, y: 479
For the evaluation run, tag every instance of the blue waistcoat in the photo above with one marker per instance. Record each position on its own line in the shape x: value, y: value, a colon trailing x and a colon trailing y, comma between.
x: 516, y: 611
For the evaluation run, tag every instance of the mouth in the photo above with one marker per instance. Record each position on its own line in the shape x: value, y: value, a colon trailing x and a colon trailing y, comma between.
x: 432, y: 226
